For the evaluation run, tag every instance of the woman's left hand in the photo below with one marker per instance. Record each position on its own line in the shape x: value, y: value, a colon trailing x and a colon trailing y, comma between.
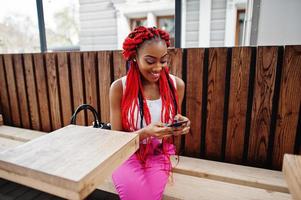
x: 184, y: 129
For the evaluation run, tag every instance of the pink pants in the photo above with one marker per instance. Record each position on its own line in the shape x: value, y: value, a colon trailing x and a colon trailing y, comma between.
x: 133, y: 181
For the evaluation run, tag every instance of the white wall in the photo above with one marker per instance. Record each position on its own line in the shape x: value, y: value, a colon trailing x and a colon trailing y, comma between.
x: 217, y: 23
x: 98, y: 25
x: 279, y: 22
x: 204, y: 23
x: 192, y: 24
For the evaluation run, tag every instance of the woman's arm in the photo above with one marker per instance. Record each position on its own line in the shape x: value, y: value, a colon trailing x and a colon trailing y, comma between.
x: 180, y: 89
x: 115, y: 105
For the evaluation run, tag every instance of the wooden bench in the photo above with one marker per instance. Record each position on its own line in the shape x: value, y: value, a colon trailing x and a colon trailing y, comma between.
x: 292, y: 173
x: 192, y: 178
x: 11, y: 137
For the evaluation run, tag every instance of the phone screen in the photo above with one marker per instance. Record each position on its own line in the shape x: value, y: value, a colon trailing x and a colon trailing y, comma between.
x: 177, y: 123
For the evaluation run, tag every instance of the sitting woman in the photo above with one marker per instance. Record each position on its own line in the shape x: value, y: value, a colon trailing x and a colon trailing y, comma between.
x: 144, y: 102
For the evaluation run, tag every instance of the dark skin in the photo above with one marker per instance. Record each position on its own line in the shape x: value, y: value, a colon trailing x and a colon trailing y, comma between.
x: 151, y: 58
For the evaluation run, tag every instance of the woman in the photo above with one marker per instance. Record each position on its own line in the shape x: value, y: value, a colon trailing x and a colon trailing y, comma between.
x: 144, y: 102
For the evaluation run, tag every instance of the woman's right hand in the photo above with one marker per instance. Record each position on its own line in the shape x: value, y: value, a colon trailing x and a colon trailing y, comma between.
x: 158, y: 130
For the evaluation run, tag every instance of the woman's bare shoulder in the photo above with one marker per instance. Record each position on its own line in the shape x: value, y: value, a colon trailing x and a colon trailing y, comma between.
x: 117, y: 85
x: 180, y: 83
x: 116, y: 89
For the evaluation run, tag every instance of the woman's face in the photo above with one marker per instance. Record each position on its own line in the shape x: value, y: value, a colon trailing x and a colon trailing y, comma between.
x: 151, y: 58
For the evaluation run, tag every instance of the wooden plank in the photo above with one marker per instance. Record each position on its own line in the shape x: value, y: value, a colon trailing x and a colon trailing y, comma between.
x: 53, y: 90
x: 175, y: 64
x: 65, y: 87
x: 54, y: 164
x: 264, y: 84
x: 19, y: 134
x: 238, y: 99
x: 288, y: 106
x: 41, y: 81
x: 119, y: 65
x: 77, y: 85
x: 215, y: 102
x: 292, y: 173
x: 195, y: 188
x: 32, y: 92
x: 4, y: 98
x: 104, y: 77
x: 90, y: 73
x: 6, y: 144
x: 194, y: 93
x: 12, y: 91
x: 21, y: 89
x: 175, y: 61
x: 231, y: 173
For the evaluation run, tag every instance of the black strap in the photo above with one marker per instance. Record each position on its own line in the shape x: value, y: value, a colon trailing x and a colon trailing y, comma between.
x: 141, y: 108
x: 96, y: 123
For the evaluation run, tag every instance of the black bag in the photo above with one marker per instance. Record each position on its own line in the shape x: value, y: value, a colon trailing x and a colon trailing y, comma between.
x: 96, y: 123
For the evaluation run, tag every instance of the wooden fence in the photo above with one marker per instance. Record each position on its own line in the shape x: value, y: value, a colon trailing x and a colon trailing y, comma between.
x: 244, y: 103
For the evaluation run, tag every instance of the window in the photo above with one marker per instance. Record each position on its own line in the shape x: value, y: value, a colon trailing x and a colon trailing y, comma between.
x: 19, y: 31
x: 138, y: 22
x: 239, y: 26
x: 61, y: 24
x: 167, y: 23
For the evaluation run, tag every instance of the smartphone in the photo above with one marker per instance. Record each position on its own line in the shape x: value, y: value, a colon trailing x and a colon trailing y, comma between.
x: 177, y: 123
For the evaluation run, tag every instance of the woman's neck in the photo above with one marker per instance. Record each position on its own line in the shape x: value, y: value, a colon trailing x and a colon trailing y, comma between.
x: 151, y: 90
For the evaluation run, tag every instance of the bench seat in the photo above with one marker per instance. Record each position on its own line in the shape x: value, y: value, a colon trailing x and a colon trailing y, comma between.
x: 11, y: 137
x: 19, y: 134
x: 232, y: 173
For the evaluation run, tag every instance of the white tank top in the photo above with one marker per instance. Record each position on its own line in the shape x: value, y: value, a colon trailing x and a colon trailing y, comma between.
x: 155, y: 106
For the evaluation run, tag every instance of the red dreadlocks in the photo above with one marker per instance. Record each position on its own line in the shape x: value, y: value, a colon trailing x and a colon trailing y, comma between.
x: 130, y: 103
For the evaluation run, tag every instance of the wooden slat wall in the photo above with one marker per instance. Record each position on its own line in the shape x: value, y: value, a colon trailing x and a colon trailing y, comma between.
x: 119, y: 65
x: 105, y: 72
x: 42, y: 92
x: 287, y: 131
x: 65, y: 89
x: 244, y: 103
x: 238, y: 98
x: 21, y: 90
x: 31, y: 92
x: 90, y: 67
x: 194, y: 93
x: 53, y: 90
x: 215, y: 102
x: 4, y: 99
x: 77, y: 85
x: 12, y: 90
x: 264, y: 91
